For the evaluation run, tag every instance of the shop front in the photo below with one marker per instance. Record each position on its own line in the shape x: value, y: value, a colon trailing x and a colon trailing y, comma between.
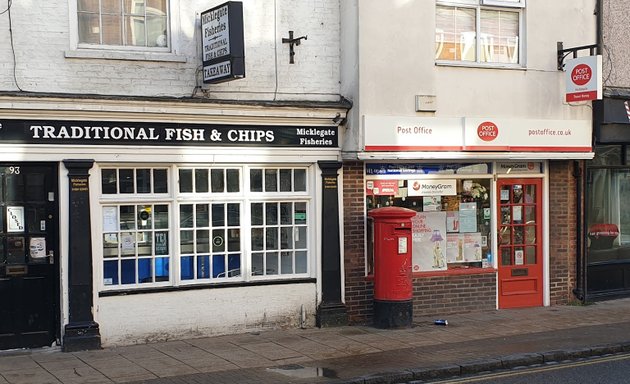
x: 481, y: 192
x: 607, y: 215
x: 118, y: 230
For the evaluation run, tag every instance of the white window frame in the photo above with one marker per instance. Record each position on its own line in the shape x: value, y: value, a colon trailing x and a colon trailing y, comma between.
x: 174, y: 199
x: 505, y: 3
x: 499, y: 3
x: 479, y: 5
x: 117, y: 52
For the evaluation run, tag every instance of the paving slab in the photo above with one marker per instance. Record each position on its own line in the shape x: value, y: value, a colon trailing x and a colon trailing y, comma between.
x: 472, y: 342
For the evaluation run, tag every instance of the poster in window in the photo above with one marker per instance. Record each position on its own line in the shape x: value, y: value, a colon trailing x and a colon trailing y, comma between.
x: 37, y: 247
x: 454, y: 248
x: 381, y: 187
x: 15, y: 219
x: 429, y: 241
x: 518, y: 257
x: 431, y: 203
x: 468, y: 217
x: 472, y: 247
x: 517, y: 213
x: 450, y: 203
x: 110, y: 219
x: 128, y: 242
x: 161, y: 243
x: 452, y: 221
x: 463, y: 247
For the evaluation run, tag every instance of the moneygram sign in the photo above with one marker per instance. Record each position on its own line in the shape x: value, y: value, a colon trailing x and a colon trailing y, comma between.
x: 584, y: 78
x: 222, y: 43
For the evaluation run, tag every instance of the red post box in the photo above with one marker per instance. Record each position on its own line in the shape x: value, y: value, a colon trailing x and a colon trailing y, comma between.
x: 393, y: 288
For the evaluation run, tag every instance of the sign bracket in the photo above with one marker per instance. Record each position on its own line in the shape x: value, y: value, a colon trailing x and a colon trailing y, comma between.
x: 292, y: 42
x: 562, y: 53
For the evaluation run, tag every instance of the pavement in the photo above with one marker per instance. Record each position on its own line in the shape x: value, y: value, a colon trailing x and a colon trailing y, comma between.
x: 470, y: 343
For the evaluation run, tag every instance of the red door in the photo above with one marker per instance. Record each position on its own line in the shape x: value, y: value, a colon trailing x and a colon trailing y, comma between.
x: 520, y: 243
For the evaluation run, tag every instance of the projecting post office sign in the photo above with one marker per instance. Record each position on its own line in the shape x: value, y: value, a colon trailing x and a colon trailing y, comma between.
x: 164, y: 134
x: 222, y: 43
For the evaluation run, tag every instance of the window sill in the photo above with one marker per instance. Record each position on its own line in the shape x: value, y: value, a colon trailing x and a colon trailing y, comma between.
x: 469, y: 64
x: 456, y: 272
x: 139, y: 291
x: 120, y: 55
x: 450, y: 272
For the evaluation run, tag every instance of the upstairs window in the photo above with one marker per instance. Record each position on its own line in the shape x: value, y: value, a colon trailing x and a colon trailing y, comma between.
x: 479, y: 31
x: 123, y: 23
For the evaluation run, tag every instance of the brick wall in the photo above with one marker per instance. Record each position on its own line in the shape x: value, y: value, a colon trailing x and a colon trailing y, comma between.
x: 359, y: 291
x: 562, y: 231
x: 441, y: 295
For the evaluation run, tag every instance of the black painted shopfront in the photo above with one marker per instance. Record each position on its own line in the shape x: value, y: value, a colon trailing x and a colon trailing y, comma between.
x: 607, y: 211
x: 29, y: 256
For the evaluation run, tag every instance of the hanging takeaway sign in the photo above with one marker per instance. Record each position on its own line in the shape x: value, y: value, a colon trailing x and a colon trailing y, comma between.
x: 222, y: 43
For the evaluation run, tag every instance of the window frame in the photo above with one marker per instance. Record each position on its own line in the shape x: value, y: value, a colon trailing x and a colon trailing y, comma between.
x: 174, y: 199
x: 498, y: 3
x: 485, y: 179
x: 517, y: 6
x: 120, y: 52
x: 125, y: 31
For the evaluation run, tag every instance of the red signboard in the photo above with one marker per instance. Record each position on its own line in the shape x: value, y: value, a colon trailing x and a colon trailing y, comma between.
x: 381, y: 188
x: 583, y: 78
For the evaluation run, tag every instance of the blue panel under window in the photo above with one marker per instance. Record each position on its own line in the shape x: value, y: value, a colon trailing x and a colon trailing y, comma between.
x: 110, y: 272
x: 187, y: 268
x: 234, y: 265
x: 203, y: 267
x: 161, y: 269
x: 145, y: 273
x: 218, y: 266
x: 128, y: 271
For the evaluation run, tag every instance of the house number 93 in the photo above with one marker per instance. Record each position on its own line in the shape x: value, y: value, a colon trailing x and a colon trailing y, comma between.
x: 14, y: 170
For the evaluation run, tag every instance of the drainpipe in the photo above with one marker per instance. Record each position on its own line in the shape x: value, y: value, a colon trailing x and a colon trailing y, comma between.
x: 580, y: 265
x: 599, y: 19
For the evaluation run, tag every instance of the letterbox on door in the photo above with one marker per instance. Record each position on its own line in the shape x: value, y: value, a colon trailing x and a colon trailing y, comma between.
x: 393, y: 288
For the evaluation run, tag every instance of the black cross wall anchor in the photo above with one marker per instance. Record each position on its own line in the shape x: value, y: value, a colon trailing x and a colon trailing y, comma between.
x: 292, y: 42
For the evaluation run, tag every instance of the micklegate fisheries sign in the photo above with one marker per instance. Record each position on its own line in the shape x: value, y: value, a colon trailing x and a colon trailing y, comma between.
x: 164, y: 134
x: 222, y: 43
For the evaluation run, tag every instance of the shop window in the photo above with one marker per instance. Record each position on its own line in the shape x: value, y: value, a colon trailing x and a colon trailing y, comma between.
x: 452, y: 227
x: 133, y: 181
x: 210, y: 241
x: 479, y: 31
x: 279, y: 238
x: 209, y: 180
x: 135, y: 244
x: 124, y: 23
x: 277, y: 180
x: 206, y: 218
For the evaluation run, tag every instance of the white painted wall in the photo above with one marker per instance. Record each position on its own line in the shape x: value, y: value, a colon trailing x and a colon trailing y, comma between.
x: 46, y: 58
x: 396, y: 43
x: 155, y: 317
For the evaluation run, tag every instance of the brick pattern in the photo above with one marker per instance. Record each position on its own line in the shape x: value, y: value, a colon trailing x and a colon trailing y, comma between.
x: 440, y: 295
x: 562, y: 231
x: 359, y: 291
